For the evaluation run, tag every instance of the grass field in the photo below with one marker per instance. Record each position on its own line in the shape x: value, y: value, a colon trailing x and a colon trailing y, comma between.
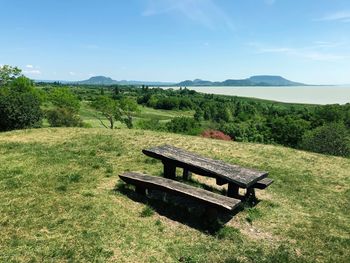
x: 88, y: 115
x: 59, y: 202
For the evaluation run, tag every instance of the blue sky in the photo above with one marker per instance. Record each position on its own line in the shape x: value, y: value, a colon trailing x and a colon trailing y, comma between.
x: 173, y: 40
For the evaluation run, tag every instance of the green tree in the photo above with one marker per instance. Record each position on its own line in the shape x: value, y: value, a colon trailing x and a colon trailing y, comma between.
x: 331, y: 138
x: 287, y: 130
x: 183, y: 125
x: 109, y: 109
x: 65, y: 113
x: 8, y: 73
x: 62, y: 117
x: 64, y: 98
x: 128, y: 107
x: 19, y: 105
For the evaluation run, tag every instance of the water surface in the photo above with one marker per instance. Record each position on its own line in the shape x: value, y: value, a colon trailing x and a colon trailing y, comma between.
x: 298, y: 94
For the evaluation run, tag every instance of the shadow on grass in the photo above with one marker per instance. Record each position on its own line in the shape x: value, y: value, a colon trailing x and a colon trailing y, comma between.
x: 181, y: 209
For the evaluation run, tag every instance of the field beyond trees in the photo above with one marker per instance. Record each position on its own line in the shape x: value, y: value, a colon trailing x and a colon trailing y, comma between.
x: 61, y: 201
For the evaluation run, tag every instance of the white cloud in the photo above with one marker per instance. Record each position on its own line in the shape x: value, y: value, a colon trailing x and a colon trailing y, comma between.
x: 203, y: 12
x: 32, y: 72
x: 343, y: 16
x: 72, y: 73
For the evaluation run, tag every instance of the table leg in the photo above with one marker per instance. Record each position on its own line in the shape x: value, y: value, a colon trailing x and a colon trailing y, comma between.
x: 233, y: 190
x: 186, y: 174
x: 169, y: 170
x: 220, y: 181
x: 250, y: 194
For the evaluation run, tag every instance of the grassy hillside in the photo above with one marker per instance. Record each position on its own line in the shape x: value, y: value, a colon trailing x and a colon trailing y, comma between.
x: 59, y: 203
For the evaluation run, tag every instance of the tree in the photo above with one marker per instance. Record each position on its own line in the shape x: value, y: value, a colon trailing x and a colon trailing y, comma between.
x: 65, y: 113
x: 287, y: 130
x: 109, y: 109
x: 19, y: 105
x: 128, y: 107
x: 8, y: 73
x: 331, y: 138
x: 63, y: 117
x: 64, y: 98
x: 183, y: 125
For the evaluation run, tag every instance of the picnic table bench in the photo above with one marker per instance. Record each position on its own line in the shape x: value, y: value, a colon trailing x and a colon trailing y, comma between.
x: 235, y: 176
x: 212, y: 200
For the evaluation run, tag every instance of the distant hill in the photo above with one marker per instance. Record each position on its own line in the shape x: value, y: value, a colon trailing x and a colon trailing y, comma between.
x: 262, y: 80
x: 102, y: 80
x: 98, y: 80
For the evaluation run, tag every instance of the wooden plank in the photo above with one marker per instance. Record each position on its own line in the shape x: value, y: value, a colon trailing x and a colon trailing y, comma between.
x: 243, y: 177
x: 168, y: 185
x: 263, y: 183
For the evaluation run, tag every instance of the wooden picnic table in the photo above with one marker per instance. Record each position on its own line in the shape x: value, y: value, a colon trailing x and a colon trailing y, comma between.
x: 224, y: 173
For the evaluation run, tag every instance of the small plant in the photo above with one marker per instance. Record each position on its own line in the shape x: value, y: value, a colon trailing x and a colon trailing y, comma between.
x: 74, y: 178
x: 160, y: 226
x: 230, y: 233
x: 109, y: 170
x: 253, y: 214
x: 61, y: 188
x: 147, y: 211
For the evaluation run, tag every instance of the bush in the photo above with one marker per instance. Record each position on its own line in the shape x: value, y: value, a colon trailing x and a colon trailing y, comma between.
x: 183, y: 125
x: 62, y: 117
x: 333, y: 138
x: 168, y: 103
x: 147, y: 211
x: 214, y: 134
x: 288, y: 130
x: 64, y: 98
x: 19, y: 106
x: 151, y: 124
x: 246, y: 131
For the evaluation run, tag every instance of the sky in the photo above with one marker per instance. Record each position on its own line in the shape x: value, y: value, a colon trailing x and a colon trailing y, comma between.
x: 173, y: 40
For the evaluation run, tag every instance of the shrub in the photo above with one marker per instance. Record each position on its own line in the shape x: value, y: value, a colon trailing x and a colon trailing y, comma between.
x: 151, y: 124
x: 214, y: 134
x: 245, y: 131
x: 19, y: 106
x: 230, y: 233
x: 168, y: 103
x: 183, y: 125
x: 147, y: 211
x: 288, y: 130
x: 64, y: 98
x: 62, y: 117
x: 333, y: 138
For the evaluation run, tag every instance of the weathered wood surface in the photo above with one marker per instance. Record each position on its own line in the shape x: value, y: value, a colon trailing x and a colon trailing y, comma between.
x: 263, y: 183
x: 205, y: 166
x: 142, y: 181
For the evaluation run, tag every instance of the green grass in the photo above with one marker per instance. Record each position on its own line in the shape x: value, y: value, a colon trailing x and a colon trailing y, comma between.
x: 58, y: 202
x: 88, y: 115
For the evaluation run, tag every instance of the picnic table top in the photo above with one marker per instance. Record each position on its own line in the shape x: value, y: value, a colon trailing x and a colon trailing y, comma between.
x: 244, y: 177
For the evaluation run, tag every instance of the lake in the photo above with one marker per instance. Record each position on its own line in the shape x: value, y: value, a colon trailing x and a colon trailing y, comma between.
x: 298, y: 94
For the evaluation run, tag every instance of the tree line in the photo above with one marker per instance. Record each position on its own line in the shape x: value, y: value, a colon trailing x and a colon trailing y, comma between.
x: 318, y: 128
